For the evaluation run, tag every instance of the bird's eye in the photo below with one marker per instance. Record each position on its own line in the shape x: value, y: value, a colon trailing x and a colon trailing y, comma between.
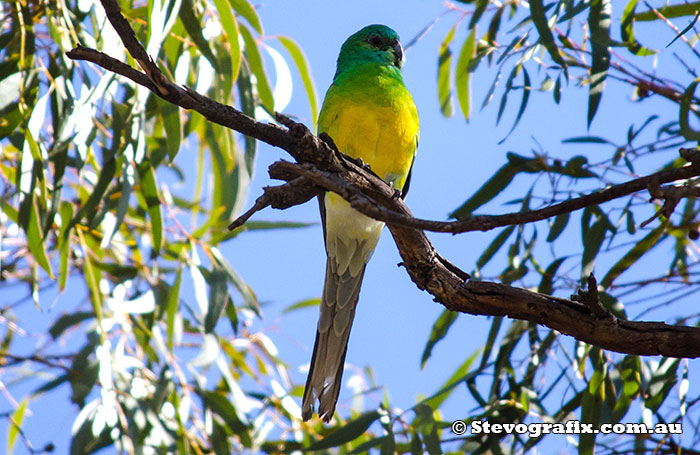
x: 375, y: 41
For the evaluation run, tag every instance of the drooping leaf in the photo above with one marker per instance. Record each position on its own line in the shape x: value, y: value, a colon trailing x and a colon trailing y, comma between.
x: 539, y: 18
x: 437, y: 333
x: 489, y: 190
x: 35, y: 237
x: 670, y: 11
x: 546, y: 283
x: 69, y: 320
x: 591, y: 406
x: 523, y: 103
x: 346, y: 433
x: 14, y: 428
x: 255, y: 61
x: 247, y: 10
x: 305, y: 72
x: 560, y: 222
x: 592, y: 238
x: 494, y: 246
x: 687, y: 131
x: 631, y: 386
x: 632, y: 256
x: 445, y: 74
x: 446, y: 389
x: 627, y: 31
x: 151, y: 195
x: 463, y: 74
x: 599, y: 24
x: 662, y: 380
x: 218, y: 297
x: 172, y: 308
x: 66, y: 212
x: 478, y: 12
x: 92, y: 277
x: 222, y: 406
x: 247, y: 100
x: 301, y: 304
x: 193, y: 27
x: 170, y: 115
x: 490, y: 340
x: 231, y: 28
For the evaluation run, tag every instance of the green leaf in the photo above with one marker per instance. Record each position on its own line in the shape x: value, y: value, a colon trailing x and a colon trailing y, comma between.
x: 591, y: 405
x: 84, y: 442
x: 523, y: 102
x: 69, y: 320
x: 670, y: 11
x: 459, y: 376
x: 173, y: 304
x: 491, y: 340
x: 662, y: 380
x: 15, y: 425
x: 246, y: 10
x: 149, y: 190
x: 230, y: 26
x: 494, y: 246
x: 221, y: 406
x: 427, y: 426
x: 509, y: 86
x: 627, y: 31
x: 92, y: 277
x: 539, y: 17
x: 586, y: 140
x: 301, y: 304
x: 631, y: 386
x: 492, y: 89
x: 546, y: 284
x: 637, y: 251
x: 66, y: 212
x: 255, y: 62
x: 246, y: 292
x: 592, y: 238
x: 560, y: 222
x: 557, y: 90
x: 89, y: 208
x: 348, y: 432
x: 193, y: 27
x: 219, y: 439
x: 463, y: 74
x: 445, y: 74
x: 437, y: 333
x: 305, y: 72
x: 686, y: 101
x: 170, y: 113
x: 489, y: 190
x: 218, y: 297
x: 599, y: 24
x: 35, y: 237
x: 478, y: 12
x: 372, y: 443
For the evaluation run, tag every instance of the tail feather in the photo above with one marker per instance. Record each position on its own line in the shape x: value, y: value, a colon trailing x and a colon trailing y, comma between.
x: 340, y: 295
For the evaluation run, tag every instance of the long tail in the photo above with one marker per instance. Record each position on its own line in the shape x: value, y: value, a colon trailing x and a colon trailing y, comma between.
x: 340, y: 294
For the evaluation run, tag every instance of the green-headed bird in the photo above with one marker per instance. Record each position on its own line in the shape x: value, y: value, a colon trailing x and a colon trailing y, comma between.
x: 369, y: 114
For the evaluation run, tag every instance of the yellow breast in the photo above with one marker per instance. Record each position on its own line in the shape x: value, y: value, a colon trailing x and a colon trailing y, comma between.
x: 381, y: 130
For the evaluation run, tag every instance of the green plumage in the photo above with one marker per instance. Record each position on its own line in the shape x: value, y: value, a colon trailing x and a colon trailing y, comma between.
x: 370, y: 114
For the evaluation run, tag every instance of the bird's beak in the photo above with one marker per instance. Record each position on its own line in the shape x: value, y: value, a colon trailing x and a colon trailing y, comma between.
x: 398, y: 53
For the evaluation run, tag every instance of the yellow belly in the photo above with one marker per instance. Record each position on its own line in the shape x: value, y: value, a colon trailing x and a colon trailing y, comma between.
x: 382, y: 136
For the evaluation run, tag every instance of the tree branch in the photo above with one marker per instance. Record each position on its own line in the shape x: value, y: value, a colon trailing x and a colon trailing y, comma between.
x: 321, y: 166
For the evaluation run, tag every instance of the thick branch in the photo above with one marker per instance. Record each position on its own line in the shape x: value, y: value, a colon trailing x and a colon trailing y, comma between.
x: 324, y: 167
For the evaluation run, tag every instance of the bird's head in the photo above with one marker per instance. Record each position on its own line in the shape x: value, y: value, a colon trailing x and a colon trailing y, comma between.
x: 374, y: 43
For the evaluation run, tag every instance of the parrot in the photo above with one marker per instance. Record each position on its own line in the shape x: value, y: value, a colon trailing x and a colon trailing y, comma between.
x: 369, y: 114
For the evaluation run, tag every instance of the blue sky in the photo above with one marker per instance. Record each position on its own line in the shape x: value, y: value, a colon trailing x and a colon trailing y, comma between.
x: 455, y: 157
